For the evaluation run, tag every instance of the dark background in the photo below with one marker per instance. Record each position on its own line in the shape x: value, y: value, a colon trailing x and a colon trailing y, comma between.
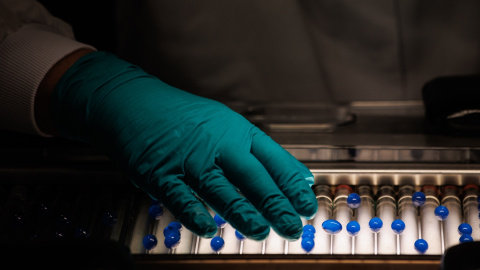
x: 93, y: 21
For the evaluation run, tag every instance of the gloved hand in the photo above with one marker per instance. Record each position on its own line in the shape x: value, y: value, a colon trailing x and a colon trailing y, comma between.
x: 175, y: 145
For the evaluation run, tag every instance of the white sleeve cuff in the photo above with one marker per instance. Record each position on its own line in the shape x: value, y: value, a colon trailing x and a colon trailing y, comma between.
x: 25, y: 58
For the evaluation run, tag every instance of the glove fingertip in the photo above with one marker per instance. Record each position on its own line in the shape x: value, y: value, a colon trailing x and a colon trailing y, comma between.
x: 256, y: 229
x: 205, y: 226
x: 310, y: 217
x: 208, y: 232
x: 305, y: 172
x: 291, y: 232
x: 310, y: 180
x: 199, y: 223
x: 308, y: 206
x: 261, y: 235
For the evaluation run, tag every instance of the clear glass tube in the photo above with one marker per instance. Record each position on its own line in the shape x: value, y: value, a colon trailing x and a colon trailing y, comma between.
x: 365, y: 240
x: 252, y: 247
x: 387, y: 212
x: 408, y: 213
x: 342, y: 241
x: 450, y: 225
x: 141, y: 227
x: 324, y: 212
x: 430, y: 224
x: 232, y: 244
x: 184, y: 247
x: 13, y: 213
x: 470, y: 210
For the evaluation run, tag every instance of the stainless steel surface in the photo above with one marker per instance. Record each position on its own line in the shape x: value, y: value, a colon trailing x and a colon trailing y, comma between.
x: 304, y: 117
x: 380, y: 125
x: 384, y: 153
x: 397, y: 177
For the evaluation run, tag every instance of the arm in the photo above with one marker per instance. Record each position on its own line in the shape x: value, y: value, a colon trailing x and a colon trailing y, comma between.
x: 43, y: 112
x: 173, y: 145
x: 31, y: 43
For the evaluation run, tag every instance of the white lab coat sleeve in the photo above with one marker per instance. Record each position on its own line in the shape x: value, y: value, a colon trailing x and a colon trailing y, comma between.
x: 31, y: 42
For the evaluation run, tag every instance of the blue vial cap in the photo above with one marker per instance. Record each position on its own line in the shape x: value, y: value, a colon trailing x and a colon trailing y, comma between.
x: 219, y: 221
x: 308, y: 244
x: 465, y: 228
x: 175, y: 225
x: 149, y: 241
x: 478, y: 199
x: 81, y: 232
x: 465, y: 238
x: 441, y: 212
x: 353, y: 200
x: 172, y: 240
x: 332, y: 226
x: 109, y: 218
x: 17, y: 219
x: 155, y: 212
x: 418, y: 198
x: 58, y: 234
x: 239, y: 236
x: 43, y: 209
x: 353, y: 228
x: 398, y: 226
x: 63, y: 221
x: 309, y: 228
x: 375, y: 224
x: 308, y: 234
x: 217, y: 243
x: 421, y: 245
x: 170, y: 229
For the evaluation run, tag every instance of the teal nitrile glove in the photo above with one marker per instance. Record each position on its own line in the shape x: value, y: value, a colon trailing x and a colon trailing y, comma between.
x: 171, y: 142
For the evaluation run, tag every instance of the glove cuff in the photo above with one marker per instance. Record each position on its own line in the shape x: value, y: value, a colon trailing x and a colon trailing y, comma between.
x: 27, y: 55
